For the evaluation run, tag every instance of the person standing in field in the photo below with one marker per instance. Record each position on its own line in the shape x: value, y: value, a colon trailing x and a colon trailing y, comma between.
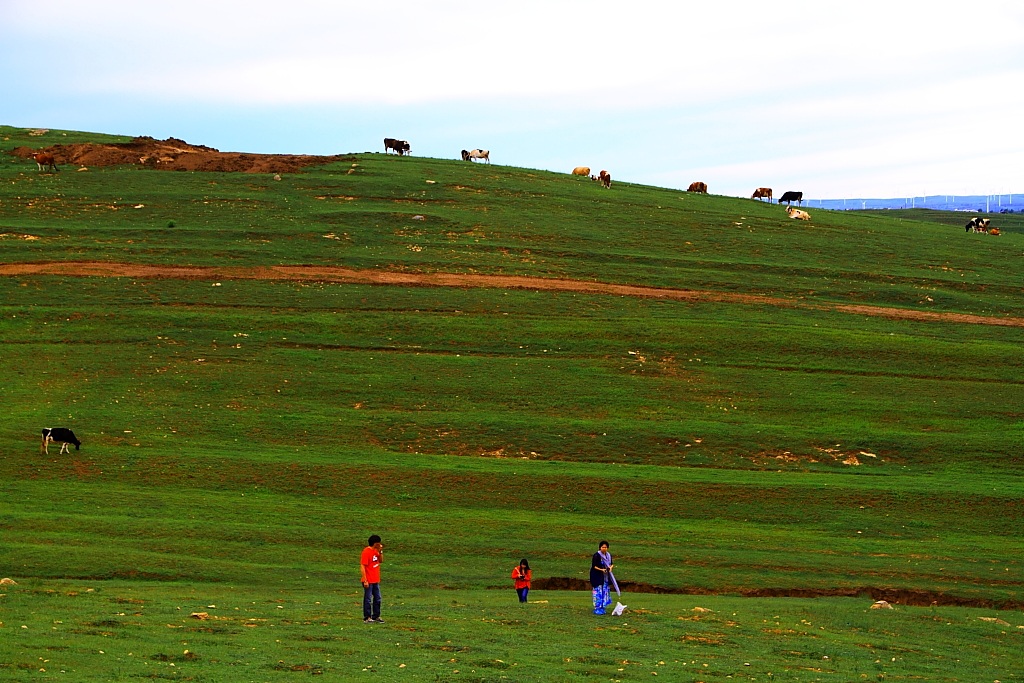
x: 609, y: 578
x: 600, y: 568
x: 369, y: 568
x: 522, y: 575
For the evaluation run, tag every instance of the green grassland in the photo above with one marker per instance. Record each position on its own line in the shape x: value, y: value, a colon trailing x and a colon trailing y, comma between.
x: 243, y: 434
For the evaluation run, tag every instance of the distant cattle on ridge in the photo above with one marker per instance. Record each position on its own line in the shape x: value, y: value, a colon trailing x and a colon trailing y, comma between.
x: 401, y: 147
x: 790, y: 197
x: 763, y: 193
x: 698, y: 186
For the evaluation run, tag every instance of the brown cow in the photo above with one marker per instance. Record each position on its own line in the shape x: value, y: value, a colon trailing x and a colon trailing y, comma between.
x: 581, y: 170
x: 45, y: 161
x: 698, y: 187
x: 762, y: 192
x: 605, y: 178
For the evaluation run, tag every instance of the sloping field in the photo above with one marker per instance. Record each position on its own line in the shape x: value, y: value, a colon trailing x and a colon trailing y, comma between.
x: 483, y: 363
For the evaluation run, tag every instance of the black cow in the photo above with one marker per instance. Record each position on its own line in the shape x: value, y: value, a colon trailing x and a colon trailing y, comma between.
x: 61, y: 435
x: 790, y: 197
x: 400, y: 146
x: 465, y: 155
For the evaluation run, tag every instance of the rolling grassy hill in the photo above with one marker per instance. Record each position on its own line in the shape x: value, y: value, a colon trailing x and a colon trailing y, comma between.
x: 482, y: 363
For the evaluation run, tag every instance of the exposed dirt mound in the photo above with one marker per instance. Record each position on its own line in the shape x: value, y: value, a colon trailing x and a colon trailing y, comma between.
x: 896, y: 596
x: 175, y: 155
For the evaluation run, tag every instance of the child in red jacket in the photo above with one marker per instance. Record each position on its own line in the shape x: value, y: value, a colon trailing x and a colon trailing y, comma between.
x: 521, y: 575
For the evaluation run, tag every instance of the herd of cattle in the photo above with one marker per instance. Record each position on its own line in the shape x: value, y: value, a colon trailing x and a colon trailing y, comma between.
x: 47, y: 162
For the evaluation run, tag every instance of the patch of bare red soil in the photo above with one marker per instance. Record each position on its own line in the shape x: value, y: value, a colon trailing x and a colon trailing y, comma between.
x: 175, y: 155
x: 403, y: 279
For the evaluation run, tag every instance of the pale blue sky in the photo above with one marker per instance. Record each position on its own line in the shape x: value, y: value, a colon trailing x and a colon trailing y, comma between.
x: 881, y: 99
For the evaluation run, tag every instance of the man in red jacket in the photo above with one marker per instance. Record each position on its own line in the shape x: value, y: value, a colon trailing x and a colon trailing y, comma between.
x: 369, y: 567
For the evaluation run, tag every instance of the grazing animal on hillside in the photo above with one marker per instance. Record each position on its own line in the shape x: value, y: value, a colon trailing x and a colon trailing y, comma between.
x: 581, y: 170
x: 465, y: 155
x: 762, y: 193
x: 45, y: 161
x: 400, y: 146
x: 978, y: 224
x: 61, y: 435
x: 698, y: 187
x: 480, y: 154
x: 799, y: 214
x: 790, y: 197
x: 605, y: 178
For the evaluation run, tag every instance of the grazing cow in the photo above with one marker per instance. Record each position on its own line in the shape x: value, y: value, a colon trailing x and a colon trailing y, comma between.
x: 605, y: 178
x: 465, y: 155
x: 762, y: 192
x: 698, y: 187
x: 978, y: 224
x: 480, y: 154
x: 581, y: 170
x: 798, y: 214
x: 45, y: 161
x: 61, y: 435
x: 790, y: 197
x: 400, y: 146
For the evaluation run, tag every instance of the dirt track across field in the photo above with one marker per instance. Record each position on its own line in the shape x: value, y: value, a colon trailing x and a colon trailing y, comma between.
x: 383, y: 277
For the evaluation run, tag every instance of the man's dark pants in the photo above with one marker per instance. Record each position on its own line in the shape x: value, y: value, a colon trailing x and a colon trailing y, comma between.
x: 371, y: 601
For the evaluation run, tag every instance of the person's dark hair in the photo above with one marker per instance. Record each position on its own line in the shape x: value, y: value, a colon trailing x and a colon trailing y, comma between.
x: 524, y: 563
x: 601, y: 544
x: 373, y: 539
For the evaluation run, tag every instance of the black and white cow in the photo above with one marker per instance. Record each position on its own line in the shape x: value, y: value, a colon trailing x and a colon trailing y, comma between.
x: 61, y: 435
x: 978, y: 224
x: 400, y: 146
x: 480, y: 154
x: 790, y: 197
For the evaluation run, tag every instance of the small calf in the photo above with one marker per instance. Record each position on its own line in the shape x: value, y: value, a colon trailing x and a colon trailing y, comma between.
x: 61, y: 435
